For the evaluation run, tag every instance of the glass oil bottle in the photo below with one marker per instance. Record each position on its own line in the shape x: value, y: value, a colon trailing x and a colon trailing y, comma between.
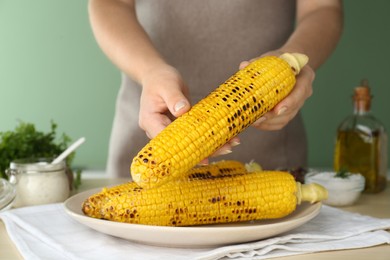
x: 361, y: 144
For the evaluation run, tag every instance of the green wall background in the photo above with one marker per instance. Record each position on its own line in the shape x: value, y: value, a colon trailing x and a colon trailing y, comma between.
x: 52, y: 69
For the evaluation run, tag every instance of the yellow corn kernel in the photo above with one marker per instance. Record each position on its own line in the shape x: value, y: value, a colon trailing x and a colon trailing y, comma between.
x: 223, y: 114
x: 219, y: 168
x: 209, y: 200
x: 228, y: 167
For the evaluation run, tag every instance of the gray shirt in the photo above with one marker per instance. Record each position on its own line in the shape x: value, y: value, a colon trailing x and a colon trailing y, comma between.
x: 206, y: 40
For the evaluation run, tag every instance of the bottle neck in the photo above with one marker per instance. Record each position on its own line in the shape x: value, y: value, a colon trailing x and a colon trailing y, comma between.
x: 362, y: 99
x: 362, y: 106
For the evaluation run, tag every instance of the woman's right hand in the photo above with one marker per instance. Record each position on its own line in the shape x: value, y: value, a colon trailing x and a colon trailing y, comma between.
x: 165, y: 97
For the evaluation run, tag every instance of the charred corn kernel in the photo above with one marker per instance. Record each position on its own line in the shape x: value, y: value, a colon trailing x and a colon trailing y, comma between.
x: 210, y: 200
x: 219, y: 168
x: 216, y: 169
x: 223, y: 114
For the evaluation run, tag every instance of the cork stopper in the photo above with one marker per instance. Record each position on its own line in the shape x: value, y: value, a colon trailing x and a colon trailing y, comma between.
x: 362, y: 96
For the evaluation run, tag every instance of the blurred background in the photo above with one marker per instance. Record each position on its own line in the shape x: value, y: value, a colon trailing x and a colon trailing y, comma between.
x: 52, y: 69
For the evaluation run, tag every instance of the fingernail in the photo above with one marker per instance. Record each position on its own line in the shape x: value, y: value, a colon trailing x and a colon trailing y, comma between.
x: 203, y: 163
x: 223, y: 152
x: 260, y: 120
x: 179, y: 105
x: 148, y: 135
x: 234, y: 143
x: 243, y: 64
x: 282, y: 110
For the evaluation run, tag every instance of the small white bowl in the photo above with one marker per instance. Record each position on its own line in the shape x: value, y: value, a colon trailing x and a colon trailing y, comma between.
x: 341, y: 191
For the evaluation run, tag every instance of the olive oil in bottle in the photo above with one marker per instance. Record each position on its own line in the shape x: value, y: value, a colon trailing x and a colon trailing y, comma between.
x: 361, y: 144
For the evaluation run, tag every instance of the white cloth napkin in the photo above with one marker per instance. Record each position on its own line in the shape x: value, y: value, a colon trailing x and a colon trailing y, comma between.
x: 47, y: 232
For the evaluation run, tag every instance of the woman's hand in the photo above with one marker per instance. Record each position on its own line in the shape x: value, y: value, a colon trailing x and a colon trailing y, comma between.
x: 165, y: 97
x: 287, y: 109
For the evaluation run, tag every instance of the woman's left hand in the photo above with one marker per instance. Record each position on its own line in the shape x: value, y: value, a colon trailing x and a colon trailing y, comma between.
x: 287, y: 109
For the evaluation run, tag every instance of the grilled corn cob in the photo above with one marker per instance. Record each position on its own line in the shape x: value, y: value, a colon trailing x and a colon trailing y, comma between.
x: 219, y: 168
x: 216, y: 169
x: 210, y: 200
x: 212, y: 122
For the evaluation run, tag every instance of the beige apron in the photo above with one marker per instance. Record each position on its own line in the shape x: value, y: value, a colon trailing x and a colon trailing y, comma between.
x: 206, y: 40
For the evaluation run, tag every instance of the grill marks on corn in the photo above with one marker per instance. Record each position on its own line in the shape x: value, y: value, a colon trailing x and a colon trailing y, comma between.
x: 218, y: 199
x: 92, y: 206
x: 251, y: 96
x: 213, y: 121
x: 220, y: 168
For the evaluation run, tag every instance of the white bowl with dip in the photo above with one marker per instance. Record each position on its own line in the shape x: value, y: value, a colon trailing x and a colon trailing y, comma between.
x: 341, y: 191
x: 38, y: 181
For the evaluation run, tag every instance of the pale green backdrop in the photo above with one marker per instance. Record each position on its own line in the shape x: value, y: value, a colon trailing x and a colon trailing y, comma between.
x: 52, y: 68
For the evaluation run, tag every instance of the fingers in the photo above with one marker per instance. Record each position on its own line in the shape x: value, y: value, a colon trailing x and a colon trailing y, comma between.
x: 175, y: 104
x: 153, y: 123
x: 243, y: 64
x: 227, y: 148
x: 274, y: 122
x: 204, y: 162
x: 287, y: 109
x: 163, y: 98
x: 176, y: 101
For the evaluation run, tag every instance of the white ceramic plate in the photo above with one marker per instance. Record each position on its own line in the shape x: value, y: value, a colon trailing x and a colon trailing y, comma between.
x: 196, y: 236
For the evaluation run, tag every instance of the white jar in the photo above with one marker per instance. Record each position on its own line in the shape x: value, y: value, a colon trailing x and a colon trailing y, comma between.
x: 38, y: 182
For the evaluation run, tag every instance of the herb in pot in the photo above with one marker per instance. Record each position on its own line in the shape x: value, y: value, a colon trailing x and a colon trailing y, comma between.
x: 27, y: 142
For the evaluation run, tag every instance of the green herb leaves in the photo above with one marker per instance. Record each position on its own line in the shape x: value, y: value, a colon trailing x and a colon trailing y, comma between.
x: 27, y: 142
x: 343, y: 174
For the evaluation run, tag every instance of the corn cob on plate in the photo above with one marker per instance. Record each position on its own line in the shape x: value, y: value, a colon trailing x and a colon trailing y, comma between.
x: 209, y: 200
x: 194, y: 236
x: 223, y: 114
x: 201, y: 235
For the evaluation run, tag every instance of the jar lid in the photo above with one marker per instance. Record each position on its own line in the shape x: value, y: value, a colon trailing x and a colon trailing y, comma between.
x: 36, y: 165
x: 7, y: 194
